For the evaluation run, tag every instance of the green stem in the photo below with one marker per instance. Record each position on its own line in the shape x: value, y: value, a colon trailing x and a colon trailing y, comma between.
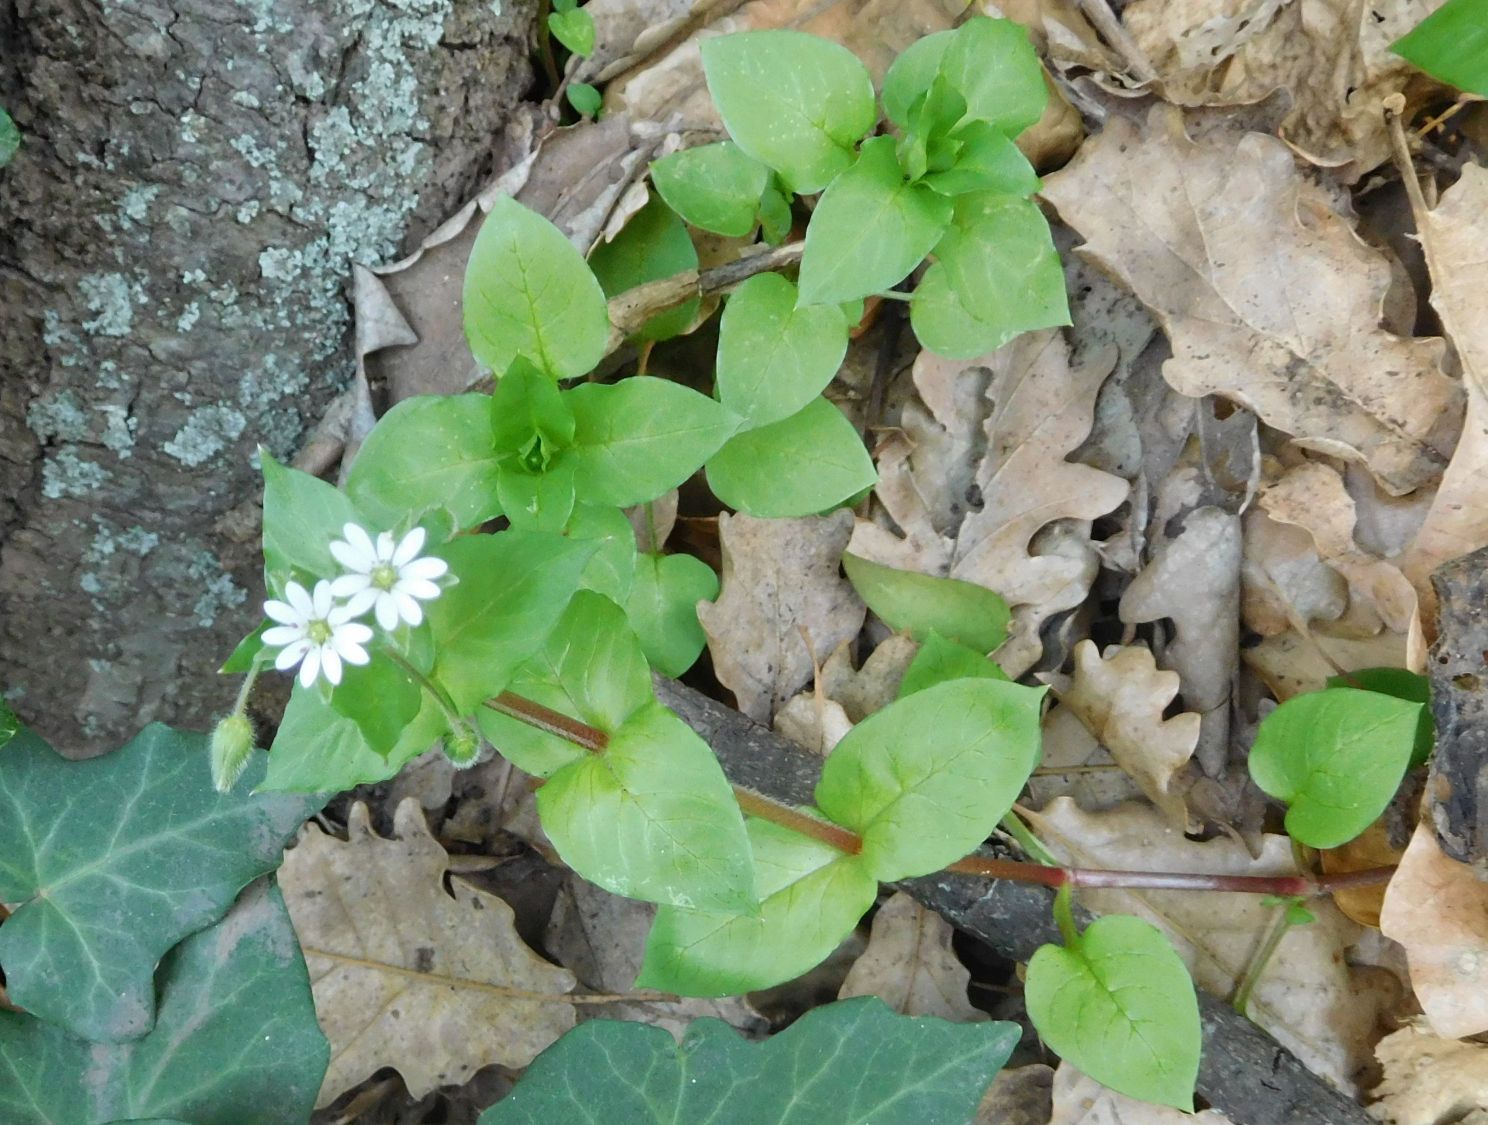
x: 1279, y: 927
x: 1032, y: 846
x: 241, y: 706
x: 1064, y: 915
x: 439, y: 695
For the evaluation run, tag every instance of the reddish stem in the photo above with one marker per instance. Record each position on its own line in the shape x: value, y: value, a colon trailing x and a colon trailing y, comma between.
x: 1017, y: 871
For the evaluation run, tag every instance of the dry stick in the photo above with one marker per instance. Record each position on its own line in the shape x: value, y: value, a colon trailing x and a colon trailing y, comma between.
x: 1243, y: 1071
x: 767, y: 808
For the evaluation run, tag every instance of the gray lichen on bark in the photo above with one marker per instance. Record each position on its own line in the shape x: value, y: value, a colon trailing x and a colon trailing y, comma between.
x: 176, y: 235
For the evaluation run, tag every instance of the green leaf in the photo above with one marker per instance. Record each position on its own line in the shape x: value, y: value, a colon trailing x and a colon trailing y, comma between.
x: 987, y: 161
x: 529, y: 293
x: 812, y: 1073
x: 574, y: 29
x: 109, y: 862
x: 870, y: 229
x: 714, y: 187
x: 1451, y: 45
x: 775, y: 216
x: 1336, y: 757
x: 774, y: 358
x: 1119, y: 1005
x: 529, y: 421
x: 811, y: 896
x: 642, y: 436
x: 513, y: 587
x: 925, y: 780
x: 10, y: 724
x: 801, y: 465
x: 996, y: 274
x: 302, y: 514
x: 381, y: 698
x: 10, y: 138
x: 428, y: 452
x: 921, y: 604
x: 319, y: 750
x: 653, y: 244
x: 235, y: 1041
x: 990, y: 63
x: 243, y: 657
x: 585, y: 99
x: 939, y: 661
x: 612, y: 568
x: 652, y: 817
x: 1402, y: 685
x: 662, y: 609
x: 591, y: 669
x: 794, y: 101
x: 538, y: 501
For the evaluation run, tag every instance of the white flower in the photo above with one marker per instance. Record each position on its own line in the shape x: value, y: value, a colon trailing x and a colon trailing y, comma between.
x: 315, y: 633
x: 390, y: 577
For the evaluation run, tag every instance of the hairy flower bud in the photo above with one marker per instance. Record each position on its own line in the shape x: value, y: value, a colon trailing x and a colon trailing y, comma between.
x: 462, y: 746
x: 232, y: 743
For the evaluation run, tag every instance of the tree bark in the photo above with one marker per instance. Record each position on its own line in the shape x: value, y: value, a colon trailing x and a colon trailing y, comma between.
x: 195, y: 179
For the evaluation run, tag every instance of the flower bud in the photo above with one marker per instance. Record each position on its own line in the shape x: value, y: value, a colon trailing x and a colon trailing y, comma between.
x: 462, y: 746
x: 232, y: 744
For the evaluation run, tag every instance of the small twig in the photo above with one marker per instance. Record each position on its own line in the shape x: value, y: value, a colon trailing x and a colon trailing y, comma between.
x: 1111, y: 29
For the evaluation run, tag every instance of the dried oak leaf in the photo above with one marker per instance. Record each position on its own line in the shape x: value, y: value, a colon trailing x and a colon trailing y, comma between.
x: 1268, y: 297
x: 781, y: 585
x: 1120, y: 697
x: 1438, y: 909
x: 1332, y: 57
x: 909, y: 964
x: 1309, y: 998
x: 1429, y: 1080
x: 406, y: 974
x: 1453, y: 236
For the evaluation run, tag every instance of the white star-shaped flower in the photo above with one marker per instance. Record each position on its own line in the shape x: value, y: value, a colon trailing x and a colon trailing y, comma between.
x: 315, y: 633
x: 386, y: 576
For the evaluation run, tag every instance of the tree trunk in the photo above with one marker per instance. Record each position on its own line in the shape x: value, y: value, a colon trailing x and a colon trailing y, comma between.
x: 176, y: 234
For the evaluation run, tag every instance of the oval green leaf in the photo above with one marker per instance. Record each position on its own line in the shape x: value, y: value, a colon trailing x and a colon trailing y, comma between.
x: 714, y: 187
x: 921, y: 604
x: 662, y: 609
x: 797, y: 102
x: 529, y: 293
x: 925, y: 780
x: 1336, y: 758
x: 801, y: 465
x: 940, y: 661
x: 653, y: 244
x: 1119, y: 1005
x: 302, y: 514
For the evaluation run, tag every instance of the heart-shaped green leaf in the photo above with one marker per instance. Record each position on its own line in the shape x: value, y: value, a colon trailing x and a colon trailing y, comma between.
x: 812, y: 1073
x: 921, y: 604
x: 1118, y: 1004
x: 235, y: 1042
x: 109, y: 862
x: 714, y: 187
x: 662, y: 609
x: 810, y: 897
x: 1336, y: 757
x: 990, y: 63
x: 1451, y: 44
x: 574, y: 29
x: 925, y: 780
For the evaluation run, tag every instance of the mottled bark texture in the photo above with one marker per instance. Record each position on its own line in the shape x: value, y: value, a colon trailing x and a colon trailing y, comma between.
x: 1457, y: 787
x: 176, y: 237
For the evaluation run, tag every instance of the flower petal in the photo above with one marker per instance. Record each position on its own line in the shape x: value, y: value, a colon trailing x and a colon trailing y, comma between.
x: 355, y: 631
x: 358, y: 604
x: 408, y: 609
x: 310, y: 668
x: 351, y: 558
x: 349, y: 584
x: 384, y: 546
x: 387, y: 611
x: 330, y: 663
x: 283, y: 612
x: 299, y: 599
x: 360, y: 542
x: 283, y: 635
x: 291, y: 655
x: 424, y: 568
x: 408, y: 550
x: 418, y: 588
x: 349, y: 650
x: 324, y: 601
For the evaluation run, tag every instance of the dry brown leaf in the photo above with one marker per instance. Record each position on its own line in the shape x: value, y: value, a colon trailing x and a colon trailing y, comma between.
x: 1120, y: 696
x: 1369, y: 850
x: 406, y: 974
x: 602, y: 937
x: 1312, y: 496
x: 813, y: 722
x: 875, y: 685
x: 1081, y: 1100
x: 1019, y: 1096
x: 1308, y: 997
x: 1331, y: 57
x: 1194, y: 580
x: 910, y: 966
x: 1284, y: 585
x: 1074, y: 764
x: 780, y: 578
x: 1293, y: 663
x: 1438, y: 909
x: 1453, y: 236
x: 1265, y: 292
x: 1430, y: 1081
x: 1030, y: 540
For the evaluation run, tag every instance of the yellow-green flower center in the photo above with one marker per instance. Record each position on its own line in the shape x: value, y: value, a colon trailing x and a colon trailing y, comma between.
x: 319, y: 632
x: 384, y: 576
